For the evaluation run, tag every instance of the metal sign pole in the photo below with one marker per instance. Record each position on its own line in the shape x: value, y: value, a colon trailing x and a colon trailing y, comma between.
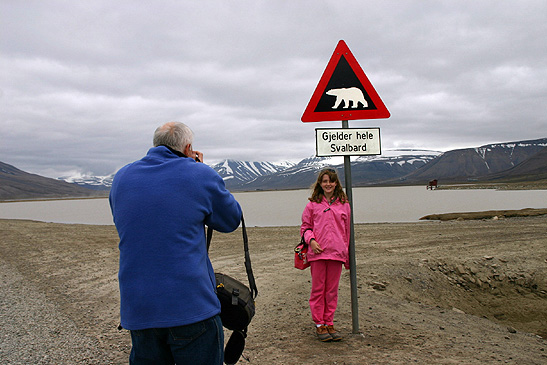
x: 352, y: 263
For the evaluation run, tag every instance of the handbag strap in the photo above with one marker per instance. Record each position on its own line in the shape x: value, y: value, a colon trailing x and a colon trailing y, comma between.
x: 303, y: 240
x: 248, y: 268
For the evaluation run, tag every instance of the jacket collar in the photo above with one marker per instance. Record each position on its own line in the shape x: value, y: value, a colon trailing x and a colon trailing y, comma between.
x: 178, y: 153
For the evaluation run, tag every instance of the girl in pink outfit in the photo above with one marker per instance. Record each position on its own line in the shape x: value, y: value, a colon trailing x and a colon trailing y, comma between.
x: 326, y: 228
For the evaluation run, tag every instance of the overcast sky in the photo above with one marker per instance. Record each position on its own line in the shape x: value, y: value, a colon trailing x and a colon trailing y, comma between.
x: 83, y: 84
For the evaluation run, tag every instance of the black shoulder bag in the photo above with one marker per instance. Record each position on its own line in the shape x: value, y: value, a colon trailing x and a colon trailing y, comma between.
x: 237, y: 302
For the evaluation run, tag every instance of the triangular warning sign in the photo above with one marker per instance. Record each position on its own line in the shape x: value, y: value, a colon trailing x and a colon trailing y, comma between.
x: 344, y: 92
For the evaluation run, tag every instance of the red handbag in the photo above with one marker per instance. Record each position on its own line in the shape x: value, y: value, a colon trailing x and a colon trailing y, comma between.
x: 301, y: 255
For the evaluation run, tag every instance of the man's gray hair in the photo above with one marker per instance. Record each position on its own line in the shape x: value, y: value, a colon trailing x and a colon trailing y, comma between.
x: 175, y: 135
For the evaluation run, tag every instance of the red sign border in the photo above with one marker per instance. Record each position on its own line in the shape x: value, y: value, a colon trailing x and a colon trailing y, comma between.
x: 338, y: 115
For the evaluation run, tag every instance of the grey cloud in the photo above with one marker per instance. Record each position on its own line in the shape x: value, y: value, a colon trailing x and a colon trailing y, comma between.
x: 90, y: 81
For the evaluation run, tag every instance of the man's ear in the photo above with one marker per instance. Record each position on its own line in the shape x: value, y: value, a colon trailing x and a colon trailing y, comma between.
x: 187, y: 149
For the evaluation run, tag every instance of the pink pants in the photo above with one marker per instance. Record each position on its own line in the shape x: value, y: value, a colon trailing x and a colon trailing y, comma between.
x: 325, y: 277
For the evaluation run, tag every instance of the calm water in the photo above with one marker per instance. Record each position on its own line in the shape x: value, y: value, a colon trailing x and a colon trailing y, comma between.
x: 284, y: 208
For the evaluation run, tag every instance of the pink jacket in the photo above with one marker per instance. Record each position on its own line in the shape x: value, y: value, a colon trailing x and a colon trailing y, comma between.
x: 330, y: 226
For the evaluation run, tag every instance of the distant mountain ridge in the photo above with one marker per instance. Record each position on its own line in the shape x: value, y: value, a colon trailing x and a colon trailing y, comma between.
x: 532, y: 169
x: 100, y: 183
x: 17, y: 184
x: 247, y: 170
x: 483, y: 163
x: 366, y: 170
x: 514, y: 161
x: 253, y: 175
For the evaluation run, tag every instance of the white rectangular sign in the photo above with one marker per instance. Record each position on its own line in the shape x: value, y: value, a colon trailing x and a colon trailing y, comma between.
x: 347, y: 142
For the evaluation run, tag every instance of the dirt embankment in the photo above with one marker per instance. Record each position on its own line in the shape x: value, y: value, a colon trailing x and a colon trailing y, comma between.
x: 489, y: 214
x: 441, y: 292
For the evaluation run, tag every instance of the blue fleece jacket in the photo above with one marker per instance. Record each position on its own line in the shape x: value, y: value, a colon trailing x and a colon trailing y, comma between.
x: 160, y: 205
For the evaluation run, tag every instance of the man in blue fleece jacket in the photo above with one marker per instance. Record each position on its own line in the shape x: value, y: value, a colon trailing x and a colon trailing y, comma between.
x: 160, y: 206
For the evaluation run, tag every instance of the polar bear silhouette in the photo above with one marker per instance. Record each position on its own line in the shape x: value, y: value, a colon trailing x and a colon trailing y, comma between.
x: 349, y: 96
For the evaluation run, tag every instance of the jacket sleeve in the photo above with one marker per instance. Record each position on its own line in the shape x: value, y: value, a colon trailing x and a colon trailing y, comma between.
x: 226, y: 212
x: 306, y: 228
x: 348, y: 234
x: 348, y: 224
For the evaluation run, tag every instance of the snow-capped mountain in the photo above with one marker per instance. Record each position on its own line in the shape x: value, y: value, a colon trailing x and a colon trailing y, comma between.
x: 247, y: 170
x: 18, y: 184
x: 90, y: 182
x: 397, y: 166
x: 254, y: 175
x: 366, y: 170
x: 480, y: 162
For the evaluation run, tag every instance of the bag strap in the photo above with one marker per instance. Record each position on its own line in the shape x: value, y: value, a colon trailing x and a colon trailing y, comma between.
x: 303, y: 233
x: 248, y: 268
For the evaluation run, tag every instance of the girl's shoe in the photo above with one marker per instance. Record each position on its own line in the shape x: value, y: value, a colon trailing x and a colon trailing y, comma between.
x: 323, y: 334
x: 333, y: 333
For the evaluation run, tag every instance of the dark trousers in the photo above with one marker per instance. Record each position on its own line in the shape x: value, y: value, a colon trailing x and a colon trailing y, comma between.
x: 197, y: 343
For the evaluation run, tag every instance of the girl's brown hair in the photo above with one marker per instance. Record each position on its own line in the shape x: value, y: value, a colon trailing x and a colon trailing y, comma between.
x: 317, y: 191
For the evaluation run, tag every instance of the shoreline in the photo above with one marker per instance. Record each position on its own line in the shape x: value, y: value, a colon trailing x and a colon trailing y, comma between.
x: 526, y: 185
x: 52, y: 199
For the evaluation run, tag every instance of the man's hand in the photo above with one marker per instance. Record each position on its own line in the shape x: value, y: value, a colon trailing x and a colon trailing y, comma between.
x: 189, y: 152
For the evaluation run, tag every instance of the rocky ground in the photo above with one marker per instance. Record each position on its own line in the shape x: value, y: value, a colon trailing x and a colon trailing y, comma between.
x: 443, y: 292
